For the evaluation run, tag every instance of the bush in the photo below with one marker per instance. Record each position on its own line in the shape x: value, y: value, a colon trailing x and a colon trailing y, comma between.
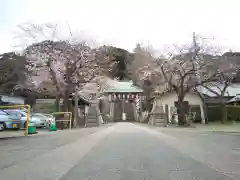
x: 233, y: 113
x: 196, y: 114
x: 214, y: 114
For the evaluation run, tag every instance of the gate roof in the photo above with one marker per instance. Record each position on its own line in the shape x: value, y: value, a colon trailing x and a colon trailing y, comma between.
x: 124, y: 87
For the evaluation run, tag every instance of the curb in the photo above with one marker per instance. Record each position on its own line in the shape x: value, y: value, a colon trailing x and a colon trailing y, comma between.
x: 230, y: 132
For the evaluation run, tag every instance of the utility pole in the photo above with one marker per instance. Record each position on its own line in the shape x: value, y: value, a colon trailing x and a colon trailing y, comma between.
x: 70, y: 31
x: 195, y: 59
x: 194, y: 43
x: 199, y: 75
x: 76, y: 98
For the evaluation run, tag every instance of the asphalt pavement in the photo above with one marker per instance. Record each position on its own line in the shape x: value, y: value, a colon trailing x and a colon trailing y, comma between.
x: 123, y: 151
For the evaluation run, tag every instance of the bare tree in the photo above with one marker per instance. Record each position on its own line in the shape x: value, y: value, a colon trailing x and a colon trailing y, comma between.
x: 228, y: 73
x: 181, y: 73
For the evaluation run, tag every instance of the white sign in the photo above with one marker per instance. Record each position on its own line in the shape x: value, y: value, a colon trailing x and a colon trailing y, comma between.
x: 124, y: 116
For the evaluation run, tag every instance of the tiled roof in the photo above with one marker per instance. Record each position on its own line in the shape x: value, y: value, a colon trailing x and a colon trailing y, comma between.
x: 232, y: 90
x: 125, y: 87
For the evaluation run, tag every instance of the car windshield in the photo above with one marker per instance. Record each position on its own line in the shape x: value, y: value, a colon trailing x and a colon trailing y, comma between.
x: 2, y: 112
x: 48, y: 115
x: 39, y: 115
x: 15, y: 112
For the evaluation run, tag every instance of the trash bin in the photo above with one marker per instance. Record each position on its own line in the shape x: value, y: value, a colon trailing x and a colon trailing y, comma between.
x: 53, y: 126
x: 31, y: 128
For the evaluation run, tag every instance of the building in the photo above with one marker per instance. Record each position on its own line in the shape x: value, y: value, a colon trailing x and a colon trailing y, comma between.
x: 168, y: 101
x: 124, y: 101
x: 7, y: 99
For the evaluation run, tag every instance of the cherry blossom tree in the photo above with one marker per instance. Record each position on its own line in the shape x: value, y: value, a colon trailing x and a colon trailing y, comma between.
x: 68, y: 63
x: 182, y: 73
x: 228, y: 72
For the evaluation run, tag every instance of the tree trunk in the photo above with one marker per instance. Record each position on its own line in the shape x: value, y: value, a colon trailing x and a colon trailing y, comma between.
x: 181, y: 110
x: 205, y: 112
x: 57, y: 103
x: 181, y: 113
x: 76, y: 117
x: 204, y: 107
x: 224, y: 112
x: 66, y: 100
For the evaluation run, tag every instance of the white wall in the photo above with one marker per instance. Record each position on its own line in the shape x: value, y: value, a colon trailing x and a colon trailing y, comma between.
x: 170, y: 98
x: 14, y: 100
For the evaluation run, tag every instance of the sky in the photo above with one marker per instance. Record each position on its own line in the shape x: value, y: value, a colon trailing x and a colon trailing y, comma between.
x: 124, y: 23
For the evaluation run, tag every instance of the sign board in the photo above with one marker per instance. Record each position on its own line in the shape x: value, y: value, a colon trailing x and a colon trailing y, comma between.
x: 124, y: 116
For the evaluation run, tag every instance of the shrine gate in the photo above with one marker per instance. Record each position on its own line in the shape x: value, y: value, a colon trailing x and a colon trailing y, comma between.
x: 125, y: 102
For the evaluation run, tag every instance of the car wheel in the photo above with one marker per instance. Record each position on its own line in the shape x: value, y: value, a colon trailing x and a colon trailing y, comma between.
x: 2, y: 126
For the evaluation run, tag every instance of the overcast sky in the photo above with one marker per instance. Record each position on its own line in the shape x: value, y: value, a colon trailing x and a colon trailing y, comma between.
x: 125, y: 22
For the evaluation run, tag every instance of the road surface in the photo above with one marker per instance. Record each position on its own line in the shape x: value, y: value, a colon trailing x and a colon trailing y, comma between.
x: 123, y: 151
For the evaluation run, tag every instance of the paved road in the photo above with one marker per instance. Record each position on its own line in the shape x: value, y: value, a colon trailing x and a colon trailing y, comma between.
x: 21, y: 149
x: 121, y: 152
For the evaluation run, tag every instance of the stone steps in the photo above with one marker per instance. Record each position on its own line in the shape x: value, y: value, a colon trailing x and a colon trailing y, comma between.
x: 92, y: 116
x: 128, y: 109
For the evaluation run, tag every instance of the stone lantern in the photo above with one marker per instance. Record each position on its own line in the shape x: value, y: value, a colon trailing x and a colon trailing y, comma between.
x: 158, y: 116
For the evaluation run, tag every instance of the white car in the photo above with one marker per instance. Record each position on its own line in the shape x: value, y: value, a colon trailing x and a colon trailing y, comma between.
x: 50, y: 118
x: 38, y: 120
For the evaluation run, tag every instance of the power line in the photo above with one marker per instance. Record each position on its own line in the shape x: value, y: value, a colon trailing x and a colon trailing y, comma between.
x: 70, y: 31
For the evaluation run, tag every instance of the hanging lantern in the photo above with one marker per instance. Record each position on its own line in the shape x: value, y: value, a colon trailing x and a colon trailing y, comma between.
x: 133, y: 96
x: 137, y: 96
x: 130, y: 96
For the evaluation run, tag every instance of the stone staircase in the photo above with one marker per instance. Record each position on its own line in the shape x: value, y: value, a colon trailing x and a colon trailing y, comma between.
x: 117, y: 111
x: 128, y: 108
x: 92, y: 116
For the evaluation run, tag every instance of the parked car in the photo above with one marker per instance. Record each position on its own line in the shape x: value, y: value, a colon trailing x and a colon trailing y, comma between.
x: 22, y: 114
x: 50, y: 118
x: 37, y: 120
x: 9, y: 121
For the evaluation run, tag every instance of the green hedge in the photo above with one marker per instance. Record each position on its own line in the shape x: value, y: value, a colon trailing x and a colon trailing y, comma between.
x: 215, y: 113
x: 233, y: 113
x: 197, y: 110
